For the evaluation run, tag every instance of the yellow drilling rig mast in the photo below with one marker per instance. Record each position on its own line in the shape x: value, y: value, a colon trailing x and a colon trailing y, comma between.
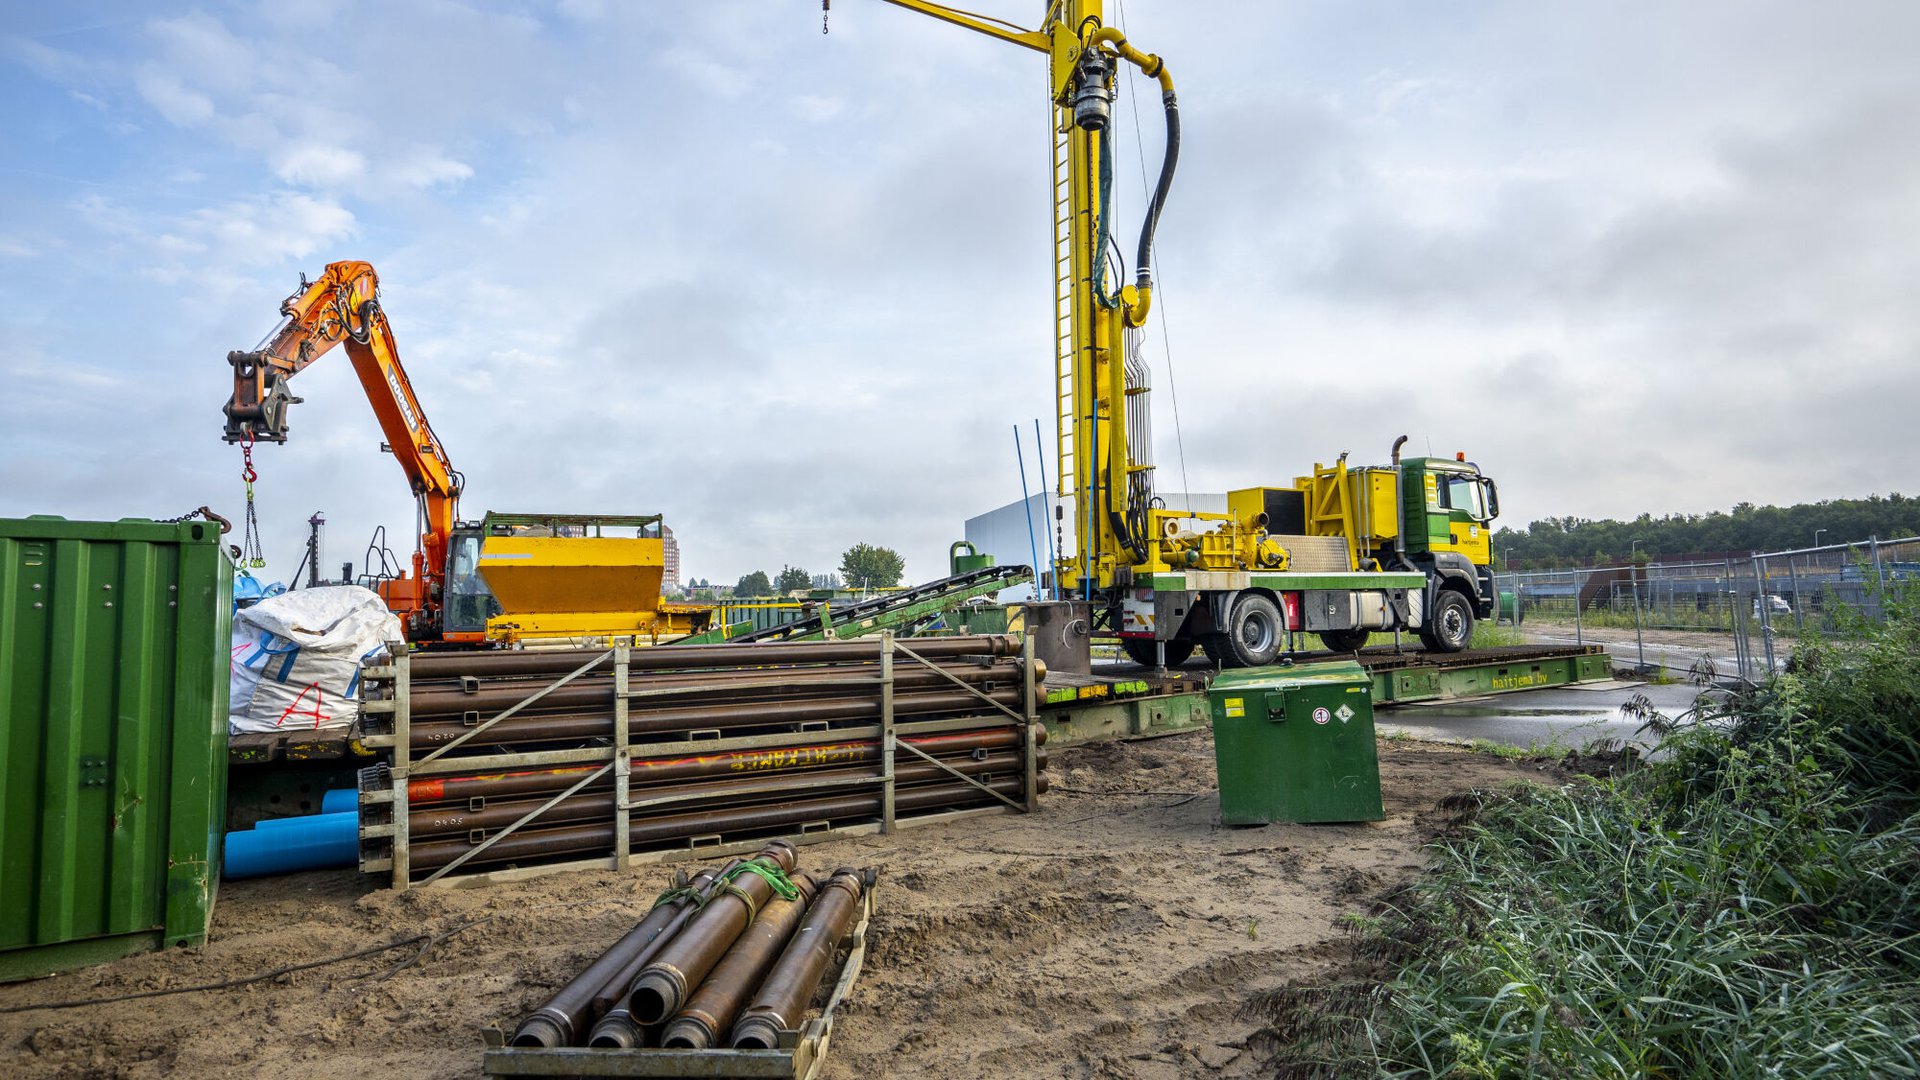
x: 1338, y: 552
x: 1100, y: 384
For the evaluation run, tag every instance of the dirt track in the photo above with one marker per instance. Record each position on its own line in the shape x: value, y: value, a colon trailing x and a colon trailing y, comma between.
x: 1120, y: 932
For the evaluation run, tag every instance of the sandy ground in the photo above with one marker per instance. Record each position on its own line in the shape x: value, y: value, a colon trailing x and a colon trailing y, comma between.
x: 1120, y: 932
x: 1718, y: 643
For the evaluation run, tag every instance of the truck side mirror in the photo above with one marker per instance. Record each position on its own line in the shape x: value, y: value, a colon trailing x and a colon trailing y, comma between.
x: 1493, y: 498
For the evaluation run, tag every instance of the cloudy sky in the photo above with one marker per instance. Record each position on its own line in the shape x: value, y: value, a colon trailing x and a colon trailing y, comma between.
x: 792, y: 291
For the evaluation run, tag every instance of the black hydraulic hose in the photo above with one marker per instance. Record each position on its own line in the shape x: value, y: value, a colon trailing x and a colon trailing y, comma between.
x: 1140, y: 260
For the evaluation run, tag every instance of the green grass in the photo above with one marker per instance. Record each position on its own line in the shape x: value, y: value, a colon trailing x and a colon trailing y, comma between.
x: 1488, y: 635
x: 1499, y: 749
x: 1747, y: 906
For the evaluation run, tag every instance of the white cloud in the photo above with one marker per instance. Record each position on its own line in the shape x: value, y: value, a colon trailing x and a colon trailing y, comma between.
x: 703, y: 70
x: 815, y: 108
x: 318, y: 165
x: 429, y: 169
x: 180, y: 106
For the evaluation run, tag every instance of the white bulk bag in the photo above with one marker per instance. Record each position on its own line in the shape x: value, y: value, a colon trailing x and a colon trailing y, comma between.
x: 297, y: 656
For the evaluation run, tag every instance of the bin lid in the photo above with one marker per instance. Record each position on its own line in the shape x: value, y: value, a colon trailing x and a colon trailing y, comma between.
x: 1323, y: 673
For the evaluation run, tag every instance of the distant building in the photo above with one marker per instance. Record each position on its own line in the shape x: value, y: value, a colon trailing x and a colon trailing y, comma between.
x: 1003, y: 533
x: 670, y: 576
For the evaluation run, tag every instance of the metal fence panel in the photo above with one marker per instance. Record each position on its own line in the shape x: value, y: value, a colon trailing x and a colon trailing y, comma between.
x: 1747, y: 610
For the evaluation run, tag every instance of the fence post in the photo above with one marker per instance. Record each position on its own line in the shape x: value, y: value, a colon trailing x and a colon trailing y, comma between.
x: 1579, y: 605
x: 1879, y: 575
x: 1734, y: 625
x: 1793, y: 580
x: 1639, y: 640
x: 1766, y: 614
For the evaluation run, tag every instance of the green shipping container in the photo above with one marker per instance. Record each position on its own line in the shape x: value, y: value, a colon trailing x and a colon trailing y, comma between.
x: 113, y: 737
x: 1296, y: 745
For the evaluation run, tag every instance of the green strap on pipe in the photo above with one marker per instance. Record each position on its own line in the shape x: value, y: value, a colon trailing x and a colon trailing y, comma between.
x: 782, y: 886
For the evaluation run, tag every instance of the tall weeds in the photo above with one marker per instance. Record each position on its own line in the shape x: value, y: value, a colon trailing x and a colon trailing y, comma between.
x: 1748, y: 906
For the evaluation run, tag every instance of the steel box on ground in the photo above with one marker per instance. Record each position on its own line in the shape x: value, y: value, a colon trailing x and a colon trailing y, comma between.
x: 1296, y: 745
x: 113, y: 737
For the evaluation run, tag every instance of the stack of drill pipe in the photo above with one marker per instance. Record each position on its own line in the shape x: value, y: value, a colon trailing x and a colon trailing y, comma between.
x: 644, y: 772
x: 599, y: 805
x: 785, y: 991
x: 588, y: 696
x: 694, y: 657
x: 709, y: 1011
x: 621, y: 1027
x: 915, y: 698
x: 646, y: 831
x: 666, y: 982
x: 674, y: 691
x: 732, y: 957
x: 566, y: 1018
x: 810, y: 694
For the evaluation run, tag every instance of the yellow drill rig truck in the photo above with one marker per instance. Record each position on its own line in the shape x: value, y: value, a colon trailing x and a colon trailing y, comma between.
x: 1342, y: 552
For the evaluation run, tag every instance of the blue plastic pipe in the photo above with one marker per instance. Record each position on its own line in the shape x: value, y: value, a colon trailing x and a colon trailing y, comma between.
x: 339, y: 801
x: 313, y: 842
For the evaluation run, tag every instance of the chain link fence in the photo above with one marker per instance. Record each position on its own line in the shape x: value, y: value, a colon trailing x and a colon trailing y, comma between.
x: 1734, y: 615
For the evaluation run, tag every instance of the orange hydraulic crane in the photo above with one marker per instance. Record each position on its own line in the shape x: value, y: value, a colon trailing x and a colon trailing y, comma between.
x: 344, y: 306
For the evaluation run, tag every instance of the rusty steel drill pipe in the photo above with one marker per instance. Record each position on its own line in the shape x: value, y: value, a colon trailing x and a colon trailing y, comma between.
x: 426, y: 791
x: 427, y: 735
x: 783, y: 996
x: 709, y: 1012
x: 742, y: 679
x: 683, y: 657
x: 663, y: 985
x: 805, y: 684
x: 616, y: 1027
x: 566, y: 1016
x: 530, y: 844
x: 743, y: 791
x: 864, y: 667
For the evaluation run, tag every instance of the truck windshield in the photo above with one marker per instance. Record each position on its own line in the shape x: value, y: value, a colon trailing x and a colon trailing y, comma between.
x: 1461, y: 491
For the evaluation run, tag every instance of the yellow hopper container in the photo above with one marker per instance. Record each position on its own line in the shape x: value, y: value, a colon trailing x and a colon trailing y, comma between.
x: 560, y: 576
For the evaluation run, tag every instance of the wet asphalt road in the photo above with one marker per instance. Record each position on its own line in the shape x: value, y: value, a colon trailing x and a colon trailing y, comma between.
x: 1558, y: 718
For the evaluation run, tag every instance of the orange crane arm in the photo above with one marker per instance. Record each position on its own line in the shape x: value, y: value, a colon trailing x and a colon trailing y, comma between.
x: 344, y: 306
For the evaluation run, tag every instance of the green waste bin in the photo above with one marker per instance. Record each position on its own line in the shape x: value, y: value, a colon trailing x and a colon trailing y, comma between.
x: 1296, y: 745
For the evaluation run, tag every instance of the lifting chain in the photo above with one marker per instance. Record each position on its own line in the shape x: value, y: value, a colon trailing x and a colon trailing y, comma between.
x: 203, y: 512
x: 825, y: 6
x: 250, y: 555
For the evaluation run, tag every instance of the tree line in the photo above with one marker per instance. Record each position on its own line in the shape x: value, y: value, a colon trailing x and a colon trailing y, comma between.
x: 862, y: 566
x: 1573, y: 541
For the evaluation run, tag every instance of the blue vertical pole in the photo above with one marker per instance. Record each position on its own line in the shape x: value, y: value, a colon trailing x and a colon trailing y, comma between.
x: 1026, y: 500
x: 1046, y: 524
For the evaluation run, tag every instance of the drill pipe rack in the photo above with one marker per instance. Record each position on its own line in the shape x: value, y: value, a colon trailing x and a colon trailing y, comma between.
x: 387, y: 791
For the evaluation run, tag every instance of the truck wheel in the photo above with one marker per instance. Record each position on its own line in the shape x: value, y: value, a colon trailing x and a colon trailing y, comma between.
x: 1217, y: 650
x: 1141, y: 651
x: 1253, y: 631
x: 1450, y: 625
x: 1345, y: 640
